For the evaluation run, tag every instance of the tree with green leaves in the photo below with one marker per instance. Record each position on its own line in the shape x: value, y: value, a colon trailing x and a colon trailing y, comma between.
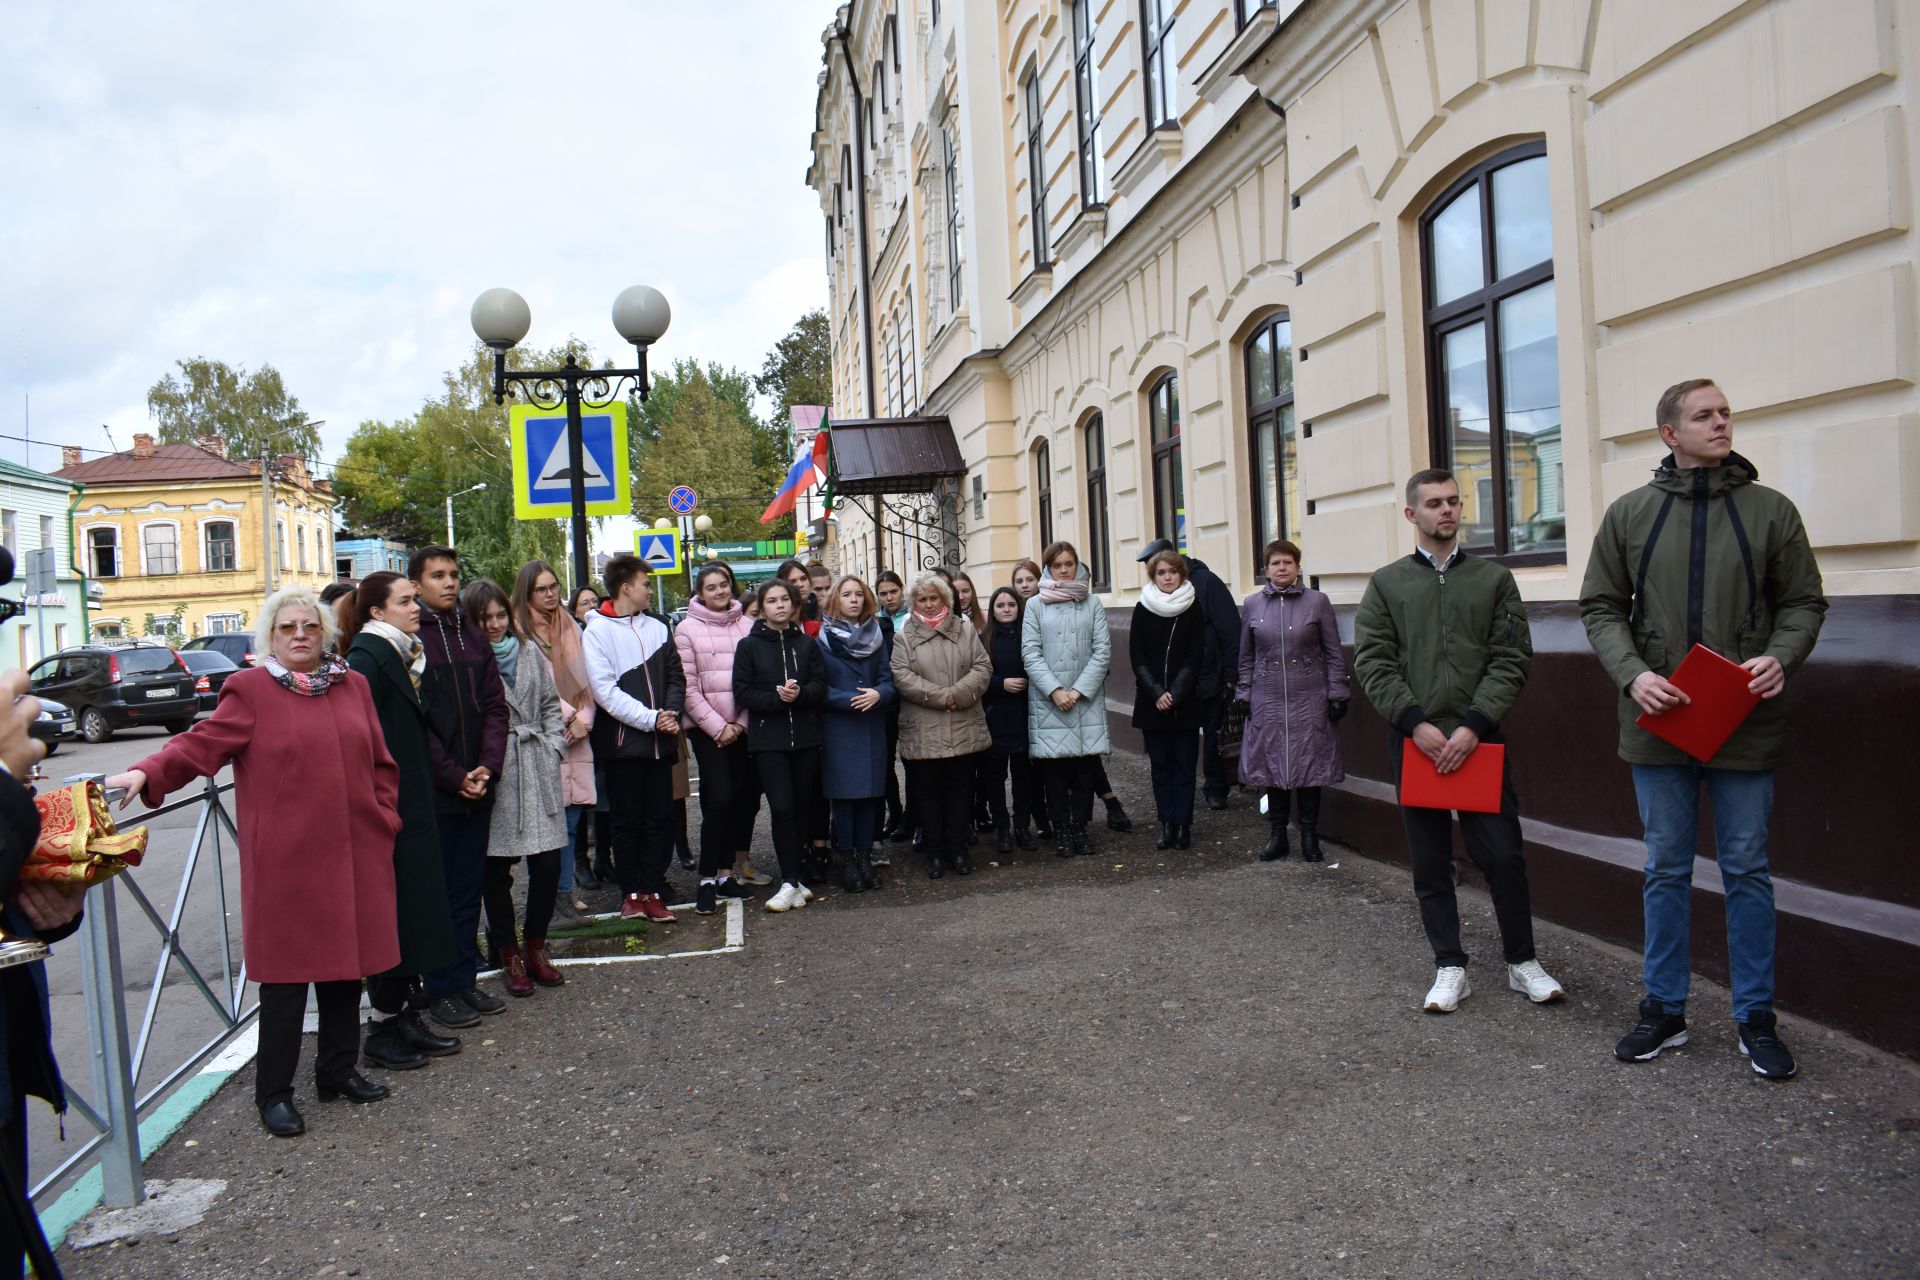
x: 253, y: 413
x: 704, y: 435
x: 799, y: 370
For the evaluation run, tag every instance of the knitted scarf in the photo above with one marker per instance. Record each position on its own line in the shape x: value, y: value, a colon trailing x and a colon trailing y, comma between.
x: 413, y: 655
x: 932, y: 621
x: 311, y: 683
x: 1167, y: 604
x: 1054, y: 591
x: 506, y: 651
x: 855, y: 640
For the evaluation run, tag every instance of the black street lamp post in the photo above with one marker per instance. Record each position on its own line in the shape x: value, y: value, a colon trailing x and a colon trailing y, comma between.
x: 501, y: 319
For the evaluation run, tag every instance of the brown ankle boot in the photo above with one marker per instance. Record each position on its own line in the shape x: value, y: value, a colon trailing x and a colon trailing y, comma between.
x: 513, y: 969
x: 540, y: 965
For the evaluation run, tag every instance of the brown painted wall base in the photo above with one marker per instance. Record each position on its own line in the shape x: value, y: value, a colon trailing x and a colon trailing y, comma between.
x: 1845, y: 854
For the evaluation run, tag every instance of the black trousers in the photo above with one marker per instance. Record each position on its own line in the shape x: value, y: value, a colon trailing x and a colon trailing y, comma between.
x: 943, y: 790
x: 1306, y: 799
x: 641, y: 791
x: 1174, y: 753
x: 1494, y: 844
x: 789, y: 780
x: 283, y: 1006
x: 1097, y: 778
x: 998, y: 770
x: 543, y: 886
x: 463, y: 858
x: 394, y: 991
x: 729, y: 787
x: 1212, y: 768
x: 1071, y: 784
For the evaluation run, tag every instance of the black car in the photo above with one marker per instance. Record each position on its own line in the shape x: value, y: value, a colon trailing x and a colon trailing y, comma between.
x: 236, y: 645
x: 210, y: 670
x: 113, y: 686
x: 55, y: 724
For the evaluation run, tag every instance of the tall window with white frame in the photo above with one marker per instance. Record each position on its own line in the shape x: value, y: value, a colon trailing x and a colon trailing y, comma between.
x: 103, y: 545
x: 161, y: 543
x: 1493, y: 355
x: 1169, y: 486
x: 1156, y: 29
x: 890, y: 366
x: 1037, y: 172
x: 950, y: 181
x: 1086, y: 101
x: 1275, y: 442
x: 222, y: 547
x: 909, y: 361
x: 1043, y: 490
x: 1099, y: 553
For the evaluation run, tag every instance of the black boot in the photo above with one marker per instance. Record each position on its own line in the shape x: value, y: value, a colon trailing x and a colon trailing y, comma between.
x: 936, y: 866
x: 1042, y: 827
x: 583, y: 877
x: 1117, y: 819
x: 421, y: 1037
x: 1003, y: 840
x: 1077, y: 839
x: 850, y: 878
x: 1183, y: 835
x: 1062, y: 843
x: 1023, y: 835
x: 868, y: 880
x: 961, y: 862
x: 1165, y: 839
x: 1310, y: 825
x: 1276, y: 845
x: 388, y: 1046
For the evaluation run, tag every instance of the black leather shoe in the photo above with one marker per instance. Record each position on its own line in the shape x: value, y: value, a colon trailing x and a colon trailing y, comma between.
x: 962, y: 864
x: 1023, y: 836
x: 1117, y: 819
x: 480, y: 1002
x: 1062, y: 846
x: 387, y: 1046
x: 352, y: 1086
x: 1003, y: 841
x: 936, y: 867
x: 1216, y: 802
x: 1043, y: 829
x: 1183, y: 836
x: 283, y: 1120
x: 1079, y: 843
x: 1276, y: 845
x: 421, y: 1037
x: 1165, y: 839
x: 451, y: 1011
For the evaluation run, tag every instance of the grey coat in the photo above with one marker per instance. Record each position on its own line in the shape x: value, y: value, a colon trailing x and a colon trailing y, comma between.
x: 1291, y: 667
x: 529, y: 807
x: 1066, y: 646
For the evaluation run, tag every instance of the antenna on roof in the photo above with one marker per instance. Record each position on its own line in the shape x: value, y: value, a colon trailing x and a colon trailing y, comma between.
x: 110, y: 440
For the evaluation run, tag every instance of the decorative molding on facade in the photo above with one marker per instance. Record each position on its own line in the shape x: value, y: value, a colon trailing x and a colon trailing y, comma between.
x: 1158, y: 152
x: 1089, y: 226
x: 217, y: 504
x: 159, y: 506
x: 1034, y: 290
x: 1216, y: 82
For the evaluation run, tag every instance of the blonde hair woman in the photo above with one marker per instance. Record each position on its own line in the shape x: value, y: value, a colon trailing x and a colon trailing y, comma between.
x: 940, y: 672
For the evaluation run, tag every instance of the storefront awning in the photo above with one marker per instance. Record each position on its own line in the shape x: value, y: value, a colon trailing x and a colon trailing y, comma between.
x: 877, y: 456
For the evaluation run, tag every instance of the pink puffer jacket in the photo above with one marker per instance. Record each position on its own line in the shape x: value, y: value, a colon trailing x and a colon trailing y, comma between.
x: 706, y: 641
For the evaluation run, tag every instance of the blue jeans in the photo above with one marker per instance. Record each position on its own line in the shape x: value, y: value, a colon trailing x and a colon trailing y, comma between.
x: 1670, y: 808
x: 576, y: 814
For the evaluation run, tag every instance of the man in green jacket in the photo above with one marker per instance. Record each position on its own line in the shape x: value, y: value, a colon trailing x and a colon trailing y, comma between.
x: 1441, y: 646
x: 1703, y: 555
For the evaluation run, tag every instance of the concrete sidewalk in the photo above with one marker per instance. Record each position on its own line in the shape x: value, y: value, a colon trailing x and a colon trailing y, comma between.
x: 1135, y: 1064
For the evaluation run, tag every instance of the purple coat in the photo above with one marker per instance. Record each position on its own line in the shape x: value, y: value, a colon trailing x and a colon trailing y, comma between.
x: 1290, y: 668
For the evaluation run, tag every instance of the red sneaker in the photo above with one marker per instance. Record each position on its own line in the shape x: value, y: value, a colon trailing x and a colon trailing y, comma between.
x: 632, y: 906
x: 655, y: 910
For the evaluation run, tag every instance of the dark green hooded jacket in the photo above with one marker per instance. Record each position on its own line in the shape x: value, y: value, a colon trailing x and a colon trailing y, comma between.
x: 1702, y: 556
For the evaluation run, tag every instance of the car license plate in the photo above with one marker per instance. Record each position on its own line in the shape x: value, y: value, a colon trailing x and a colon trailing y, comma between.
x: 167, y: 692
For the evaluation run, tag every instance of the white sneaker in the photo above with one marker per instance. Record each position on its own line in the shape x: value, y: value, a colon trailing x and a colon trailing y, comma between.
x: 1535, y: 983
x: 805, y: 892
x: 1450, y: 987
x: 787, y: 899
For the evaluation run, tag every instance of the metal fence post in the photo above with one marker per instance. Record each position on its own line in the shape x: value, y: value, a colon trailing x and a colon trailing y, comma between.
x: 121, y: 1183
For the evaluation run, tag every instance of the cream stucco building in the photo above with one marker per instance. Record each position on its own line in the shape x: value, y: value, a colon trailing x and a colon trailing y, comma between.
x: 1219, y: 270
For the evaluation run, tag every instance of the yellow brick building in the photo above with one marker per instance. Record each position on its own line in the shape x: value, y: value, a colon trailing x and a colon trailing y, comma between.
x: 174, y: 535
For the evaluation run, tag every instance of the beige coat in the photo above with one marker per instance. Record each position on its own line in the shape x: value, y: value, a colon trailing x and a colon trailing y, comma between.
x: 927, y: 666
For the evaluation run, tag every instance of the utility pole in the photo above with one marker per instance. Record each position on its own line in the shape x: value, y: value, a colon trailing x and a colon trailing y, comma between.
x: 266, y: 518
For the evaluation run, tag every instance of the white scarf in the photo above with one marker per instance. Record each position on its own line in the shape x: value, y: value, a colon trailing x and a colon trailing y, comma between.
x: 412, y: 654
x: 1167, y: 604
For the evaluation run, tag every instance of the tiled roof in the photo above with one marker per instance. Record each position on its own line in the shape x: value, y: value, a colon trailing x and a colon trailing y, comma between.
x: 169, y: 462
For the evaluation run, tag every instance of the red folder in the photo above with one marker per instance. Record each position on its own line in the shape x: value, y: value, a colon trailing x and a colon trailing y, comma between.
x: 1472, y: 788
x: 1720, y: 704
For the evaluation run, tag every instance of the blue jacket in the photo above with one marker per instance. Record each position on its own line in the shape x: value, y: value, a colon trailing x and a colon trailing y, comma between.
x: 854, y: 759
x: 1006, y: 712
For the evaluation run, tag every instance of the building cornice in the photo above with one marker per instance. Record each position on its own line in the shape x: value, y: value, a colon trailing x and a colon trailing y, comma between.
x: 1308, y: 42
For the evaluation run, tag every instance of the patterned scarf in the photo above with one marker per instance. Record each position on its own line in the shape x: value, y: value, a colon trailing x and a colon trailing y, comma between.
x: 856, y: 640
x: 1054, y: 591
x: 311, y: 683
x: 413, y: 654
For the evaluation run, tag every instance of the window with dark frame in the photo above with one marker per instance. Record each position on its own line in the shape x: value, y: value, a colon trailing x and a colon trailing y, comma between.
x: 221, y: 547
x: 104, y: 546
x: 1169, y: 486
x: 1493, y: 360
x: 1099, y: 558
x: 1043, y: 490
x: 1156, y: 28
x: 950, y: 171
x: 1243, y: 11
x: 1274, y: 439
x: 909, y: 361
x: 1037, y: 172
x: 933, y: 14
x: 1086, y: 99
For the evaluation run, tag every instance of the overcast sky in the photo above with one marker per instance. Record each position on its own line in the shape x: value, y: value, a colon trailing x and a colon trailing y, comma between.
x: 325, y: 188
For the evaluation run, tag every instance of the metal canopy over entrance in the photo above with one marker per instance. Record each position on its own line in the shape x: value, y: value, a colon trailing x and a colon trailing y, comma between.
x: 910, y: 470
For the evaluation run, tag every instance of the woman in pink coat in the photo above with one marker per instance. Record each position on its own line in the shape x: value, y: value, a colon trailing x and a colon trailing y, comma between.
x: 538, y: 610
x: 317, y: 796
x: 729, y: 787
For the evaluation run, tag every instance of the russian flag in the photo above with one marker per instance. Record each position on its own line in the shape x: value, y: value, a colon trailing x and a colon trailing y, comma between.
x: 809, y: 464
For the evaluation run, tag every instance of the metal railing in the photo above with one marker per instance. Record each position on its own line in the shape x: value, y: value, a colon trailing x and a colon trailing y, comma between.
x: 117, y: 1046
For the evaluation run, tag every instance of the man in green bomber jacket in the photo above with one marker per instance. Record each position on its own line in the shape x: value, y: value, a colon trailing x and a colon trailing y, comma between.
x: 1441, y: 646
x: 1703, y: 555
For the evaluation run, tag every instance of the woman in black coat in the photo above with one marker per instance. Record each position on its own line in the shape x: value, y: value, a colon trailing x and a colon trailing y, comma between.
x: 779, y: 678
x: 1171, y: 650
x: 379, y: 627
x: 1005, y: 704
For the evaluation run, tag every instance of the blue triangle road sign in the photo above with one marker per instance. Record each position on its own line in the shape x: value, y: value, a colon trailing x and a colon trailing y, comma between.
x: 660, y: 548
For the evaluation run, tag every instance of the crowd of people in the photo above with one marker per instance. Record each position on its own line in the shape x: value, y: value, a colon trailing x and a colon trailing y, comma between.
x: 433, y: 740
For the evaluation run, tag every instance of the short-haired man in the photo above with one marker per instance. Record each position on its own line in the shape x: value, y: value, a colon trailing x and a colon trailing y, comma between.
x: 466, y: 706
x: 1703, y: 555
x: 1441, y: 646
x: 634, y: 670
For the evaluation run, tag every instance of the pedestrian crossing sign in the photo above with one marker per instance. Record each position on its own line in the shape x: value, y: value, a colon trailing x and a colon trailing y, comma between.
x: 543, y: 471
x: 660, y: 548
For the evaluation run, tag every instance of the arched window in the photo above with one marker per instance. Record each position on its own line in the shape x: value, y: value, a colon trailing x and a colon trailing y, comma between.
x: 1276, y: 470
x: 222, y: 553
x: 1169, y: 486
x: 103, y: 544
x: 1493, y: 354
x: 1043, y: 490
x: 1099, y: 559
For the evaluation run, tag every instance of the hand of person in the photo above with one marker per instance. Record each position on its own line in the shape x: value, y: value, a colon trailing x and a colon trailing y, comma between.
x: 789, y: 691
x: 133, y: 782
x: 952, y: 702
x: 866, y: 699
x: 474, y: 787
x: 1016, y: 684
x: 48, y: 907
x: 1656, y: 695
x: 1063, y: 699
x: 1164, y: 702
x: 1769, y: 677
x: 1430, y: 740
x: 729, y: 734
x: 18, y: 747
x: 666, y: 722
x: 1336, y: 709
x: 576, y: 729
x: 1458, y: 748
